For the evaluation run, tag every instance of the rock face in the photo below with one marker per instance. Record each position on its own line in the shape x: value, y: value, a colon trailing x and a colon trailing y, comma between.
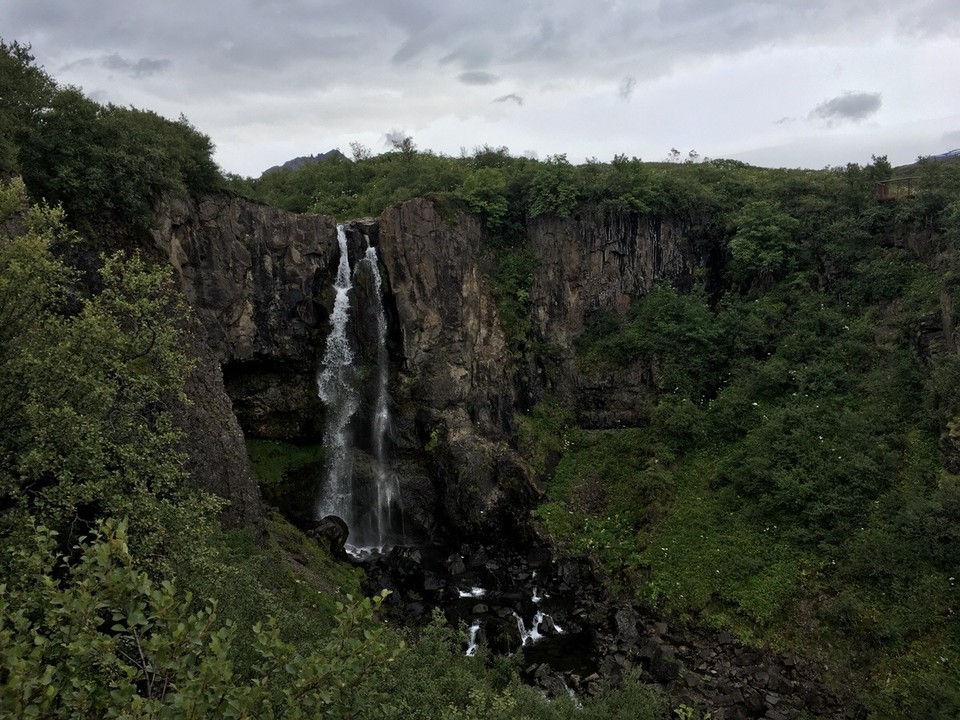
x: 212, y: 439
x: 256, y: 278
x: 589, y: 267
x: 260, y: 280
x: 253, y: 277
x: 455, y: 356
x: 455, y: 395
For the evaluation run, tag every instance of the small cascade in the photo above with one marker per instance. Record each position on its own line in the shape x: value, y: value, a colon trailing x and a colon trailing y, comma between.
x: 533, y: 634
x: 373, y: 513
x: 336, y: 388
x: 474, y: 592
x: 472, y: 638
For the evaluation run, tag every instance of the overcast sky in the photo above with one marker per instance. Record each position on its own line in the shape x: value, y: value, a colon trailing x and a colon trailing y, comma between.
x: 794, y: 83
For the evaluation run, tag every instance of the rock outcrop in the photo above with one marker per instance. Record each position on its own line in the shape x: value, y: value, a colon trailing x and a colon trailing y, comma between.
x: 455, y: 394
x: 252, y: 276
x: 255, y: 277
x: 212, y: 439
x: 456, y: 362
x: 591, y: 266
x: 260, y: 280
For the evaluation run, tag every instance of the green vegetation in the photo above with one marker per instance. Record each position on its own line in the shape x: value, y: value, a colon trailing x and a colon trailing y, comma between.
x: 107, y: 166
x: 796, y: 477
x: 286, y: 473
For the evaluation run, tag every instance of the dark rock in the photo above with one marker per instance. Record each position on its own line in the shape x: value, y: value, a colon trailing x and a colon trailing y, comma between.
x: 256, y: 277
x: 753, y: 702
x: 547, y: 627
x: 553, y: 684
x: 331, y: 532
x: 476, y: 560
x: 538, y: 557
x: 216, y: 455
x: 455, y: 565
x: 433, y: 583
x: 625, y: 621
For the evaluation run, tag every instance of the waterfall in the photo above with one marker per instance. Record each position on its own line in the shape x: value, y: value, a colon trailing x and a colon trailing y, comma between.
x: 372, y: 512
x: 336, y: 388
x: 384, y: 516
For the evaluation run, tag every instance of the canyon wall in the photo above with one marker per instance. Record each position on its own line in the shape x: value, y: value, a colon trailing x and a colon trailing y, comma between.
x: 591, y: 266
x: 259, y: 281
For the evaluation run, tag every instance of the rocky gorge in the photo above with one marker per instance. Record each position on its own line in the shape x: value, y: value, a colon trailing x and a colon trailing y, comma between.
x: 259, y: 282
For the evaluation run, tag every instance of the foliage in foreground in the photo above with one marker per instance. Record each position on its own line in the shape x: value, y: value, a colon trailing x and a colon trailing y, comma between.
x: 91, y: 635
x: 98, y: 638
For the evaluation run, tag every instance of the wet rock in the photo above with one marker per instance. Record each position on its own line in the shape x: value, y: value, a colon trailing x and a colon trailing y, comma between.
x: 553, y: 684
x: 625, y: 622
x: 547, y: 626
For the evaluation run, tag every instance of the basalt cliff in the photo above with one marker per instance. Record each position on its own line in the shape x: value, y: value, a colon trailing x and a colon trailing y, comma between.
x: 259, y: 281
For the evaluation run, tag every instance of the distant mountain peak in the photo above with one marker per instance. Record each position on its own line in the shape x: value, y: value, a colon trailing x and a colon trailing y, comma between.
x: 299, y: 162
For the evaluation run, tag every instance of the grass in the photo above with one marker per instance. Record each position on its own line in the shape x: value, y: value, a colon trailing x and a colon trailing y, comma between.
x: 706, y: 558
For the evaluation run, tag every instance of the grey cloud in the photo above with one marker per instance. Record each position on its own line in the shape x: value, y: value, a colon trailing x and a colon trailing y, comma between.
x: 478, y: 77
x: 407, y: 51
x: 855, y: 106
x: 512, y: 97
x: 144, y: 67
x: 627, y: 86
x: 469, y: 55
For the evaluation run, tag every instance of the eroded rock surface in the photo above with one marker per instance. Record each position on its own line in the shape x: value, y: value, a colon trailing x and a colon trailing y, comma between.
x: 256, y: 277
x: 455, y: 395
x: 591, y: 266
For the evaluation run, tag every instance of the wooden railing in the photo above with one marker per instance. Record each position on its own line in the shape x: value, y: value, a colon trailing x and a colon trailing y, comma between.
x: 896, y: 188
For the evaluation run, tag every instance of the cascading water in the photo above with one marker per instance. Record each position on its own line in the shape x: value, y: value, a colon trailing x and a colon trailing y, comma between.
x: 372, y: 512
x: 336, y: 388
x: 384, y: 516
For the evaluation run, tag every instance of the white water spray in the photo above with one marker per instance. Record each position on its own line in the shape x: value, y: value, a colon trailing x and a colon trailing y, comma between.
x: 373, y: 514
x: 381, y: 527
x: 336, y: 388
x: 472, y: 638
x: 533, y: 634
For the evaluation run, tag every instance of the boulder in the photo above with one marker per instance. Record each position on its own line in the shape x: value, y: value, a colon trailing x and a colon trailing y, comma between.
x: 331, y: 532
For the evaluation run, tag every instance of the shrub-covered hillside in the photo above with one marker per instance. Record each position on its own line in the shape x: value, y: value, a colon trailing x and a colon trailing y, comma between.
x: 121, y: 596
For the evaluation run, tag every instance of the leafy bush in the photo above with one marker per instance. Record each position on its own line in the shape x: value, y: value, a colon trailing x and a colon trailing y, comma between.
x: 106, y: 165
x: 552, y: 190
x: 98, y: 638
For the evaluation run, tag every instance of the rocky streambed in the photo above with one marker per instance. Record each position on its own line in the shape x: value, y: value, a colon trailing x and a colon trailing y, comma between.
x: 575, y: 636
